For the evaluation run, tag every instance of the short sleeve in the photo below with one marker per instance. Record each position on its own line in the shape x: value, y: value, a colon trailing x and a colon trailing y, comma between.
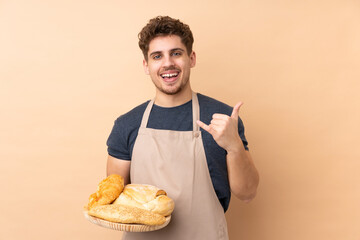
x: 241, y: 130
x: 118, y: 141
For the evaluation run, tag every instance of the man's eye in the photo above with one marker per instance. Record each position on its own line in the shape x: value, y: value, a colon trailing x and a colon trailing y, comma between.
x: 176, y: 54
x: 156, y: 57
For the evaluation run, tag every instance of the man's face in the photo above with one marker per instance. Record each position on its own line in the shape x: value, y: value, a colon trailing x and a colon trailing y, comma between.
x: 169, y: 64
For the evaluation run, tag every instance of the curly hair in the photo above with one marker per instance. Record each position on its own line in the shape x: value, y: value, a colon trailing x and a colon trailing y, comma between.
x: 164, y: 26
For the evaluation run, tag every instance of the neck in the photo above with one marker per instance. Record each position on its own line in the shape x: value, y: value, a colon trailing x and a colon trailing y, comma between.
x: 166, y: 100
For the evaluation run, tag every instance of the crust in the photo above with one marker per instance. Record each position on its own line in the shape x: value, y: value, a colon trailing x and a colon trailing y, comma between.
x: 146, y: 197
x: 108, y: 190
x: 126, y: 214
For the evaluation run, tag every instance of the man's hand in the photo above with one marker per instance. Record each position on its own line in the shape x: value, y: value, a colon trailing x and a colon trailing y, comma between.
x: 224, y: 129
x: 243, y: 176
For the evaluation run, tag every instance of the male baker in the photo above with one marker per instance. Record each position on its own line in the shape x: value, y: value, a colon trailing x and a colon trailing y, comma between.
x: 188, y: 144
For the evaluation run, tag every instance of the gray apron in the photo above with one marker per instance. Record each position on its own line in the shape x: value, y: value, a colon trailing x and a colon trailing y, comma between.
x: 175, y: 162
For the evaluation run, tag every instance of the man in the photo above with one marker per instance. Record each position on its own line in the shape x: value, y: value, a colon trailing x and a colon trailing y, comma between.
x: 188, y: 144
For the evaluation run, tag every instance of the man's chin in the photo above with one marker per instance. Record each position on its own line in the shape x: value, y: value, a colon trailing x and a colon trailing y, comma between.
x: 171, y: 91
x: 174, y: 92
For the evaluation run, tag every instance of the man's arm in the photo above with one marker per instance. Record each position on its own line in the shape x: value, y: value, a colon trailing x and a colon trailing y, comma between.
x: 120, y: 167
x: 243, y: 176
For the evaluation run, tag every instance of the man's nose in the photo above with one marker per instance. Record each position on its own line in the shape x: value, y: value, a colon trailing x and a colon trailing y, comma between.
x: 168, y: 61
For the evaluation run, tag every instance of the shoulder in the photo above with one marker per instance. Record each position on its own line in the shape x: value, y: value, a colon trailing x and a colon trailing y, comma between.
x: 210, y: 105
x: 124, y: 132
x: 132, y: 117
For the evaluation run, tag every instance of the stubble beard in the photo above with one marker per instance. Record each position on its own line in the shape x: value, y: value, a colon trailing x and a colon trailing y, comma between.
x: 172, y: 91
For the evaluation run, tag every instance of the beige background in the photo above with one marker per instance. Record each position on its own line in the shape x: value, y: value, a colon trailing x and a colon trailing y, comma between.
x: 68, y: 69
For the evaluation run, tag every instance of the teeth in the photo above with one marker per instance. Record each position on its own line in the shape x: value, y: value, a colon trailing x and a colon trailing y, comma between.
x: 169, y: 75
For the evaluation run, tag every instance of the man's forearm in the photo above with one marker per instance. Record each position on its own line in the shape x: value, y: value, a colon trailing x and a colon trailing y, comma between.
x: 243, y: 176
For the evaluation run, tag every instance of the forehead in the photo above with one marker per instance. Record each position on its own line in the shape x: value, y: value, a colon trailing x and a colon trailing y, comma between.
x: 165, y: 44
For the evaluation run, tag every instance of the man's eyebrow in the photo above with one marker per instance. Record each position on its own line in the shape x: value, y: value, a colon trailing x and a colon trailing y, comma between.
x: 171, y: 50
x: 177, y: 49
x: 156, y: 52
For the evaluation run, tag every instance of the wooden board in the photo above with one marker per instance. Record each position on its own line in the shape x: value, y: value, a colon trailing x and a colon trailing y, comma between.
x: 125, y: 227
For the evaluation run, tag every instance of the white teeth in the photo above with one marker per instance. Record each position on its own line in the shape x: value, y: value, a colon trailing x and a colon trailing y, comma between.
x: 170, y: 75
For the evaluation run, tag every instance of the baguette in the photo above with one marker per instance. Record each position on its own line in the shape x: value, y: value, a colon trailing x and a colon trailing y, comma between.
x: 126, y: 214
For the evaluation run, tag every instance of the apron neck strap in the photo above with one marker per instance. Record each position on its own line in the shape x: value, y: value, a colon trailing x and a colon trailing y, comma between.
x: 146, y: 114
x: 195, y: 112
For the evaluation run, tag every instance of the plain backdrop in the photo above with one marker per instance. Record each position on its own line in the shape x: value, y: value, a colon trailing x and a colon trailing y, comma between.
x: 68, y: 69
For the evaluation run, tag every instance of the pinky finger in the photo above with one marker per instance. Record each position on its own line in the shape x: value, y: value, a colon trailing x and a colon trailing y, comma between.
x: 203, y: 126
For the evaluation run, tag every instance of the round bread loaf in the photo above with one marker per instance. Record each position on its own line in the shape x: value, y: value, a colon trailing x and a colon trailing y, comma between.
x: 146, y: 197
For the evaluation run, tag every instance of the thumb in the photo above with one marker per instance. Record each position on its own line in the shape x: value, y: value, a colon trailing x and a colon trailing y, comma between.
x: 235, y: 112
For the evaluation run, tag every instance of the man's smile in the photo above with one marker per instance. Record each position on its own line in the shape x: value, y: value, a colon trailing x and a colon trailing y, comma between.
x: 170, y: 76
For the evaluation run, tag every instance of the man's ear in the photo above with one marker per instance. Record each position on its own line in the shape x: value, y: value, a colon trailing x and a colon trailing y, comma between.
x: 146, y: 67
x: 192, y: 59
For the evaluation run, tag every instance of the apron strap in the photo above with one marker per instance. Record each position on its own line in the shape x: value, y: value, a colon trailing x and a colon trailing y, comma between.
x: 146, y: 115
x: 195, y: 112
